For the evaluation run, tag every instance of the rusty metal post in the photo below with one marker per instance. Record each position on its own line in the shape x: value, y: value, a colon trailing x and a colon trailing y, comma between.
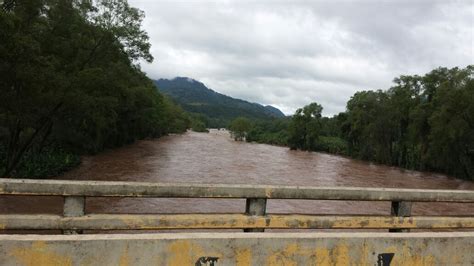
x: 255, y: 207
x: 401, y: 209
x: 74, y: 206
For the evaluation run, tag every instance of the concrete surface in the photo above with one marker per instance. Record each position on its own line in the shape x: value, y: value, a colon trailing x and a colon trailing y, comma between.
x: 193, y: 190
x: 240, y: 249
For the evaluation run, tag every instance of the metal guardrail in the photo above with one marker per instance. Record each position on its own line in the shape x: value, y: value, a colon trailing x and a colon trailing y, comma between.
x: 254, y: 220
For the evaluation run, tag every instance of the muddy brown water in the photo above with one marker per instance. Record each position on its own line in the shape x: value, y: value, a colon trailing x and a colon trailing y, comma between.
x: 216, y: 158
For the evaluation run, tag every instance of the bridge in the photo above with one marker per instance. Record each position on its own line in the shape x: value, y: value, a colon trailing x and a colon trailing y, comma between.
x: 396, y: 239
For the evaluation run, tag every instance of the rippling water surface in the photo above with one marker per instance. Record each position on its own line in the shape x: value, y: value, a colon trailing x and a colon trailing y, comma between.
x: 216, y: 158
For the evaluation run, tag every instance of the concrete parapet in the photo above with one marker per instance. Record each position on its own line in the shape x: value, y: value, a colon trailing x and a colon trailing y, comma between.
x: 240, y: 249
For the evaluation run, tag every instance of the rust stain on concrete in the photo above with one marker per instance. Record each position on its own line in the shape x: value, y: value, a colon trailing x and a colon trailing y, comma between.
x: 243, y: 257
x: 285, y: 257
x: 179, y: 253
x: 124, y: 258
x: 39, y: 254
x: 185, y: 252
x: 341, y: 254
x: 322, y: 256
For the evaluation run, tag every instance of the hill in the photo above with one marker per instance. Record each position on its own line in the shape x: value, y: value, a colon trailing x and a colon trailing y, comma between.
x: 220, y: 109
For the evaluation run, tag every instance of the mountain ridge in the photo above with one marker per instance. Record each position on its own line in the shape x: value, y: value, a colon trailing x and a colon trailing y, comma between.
x: 195, y: 97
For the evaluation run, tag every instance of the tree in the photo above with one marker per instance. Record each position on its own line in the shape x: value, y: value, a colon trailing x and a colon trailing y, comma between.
x: 451, y: 138
x: 274, y: 131
x: 305, y: 127
x: 423, y: 122
x: 199, y: 122
x: 239, y: 128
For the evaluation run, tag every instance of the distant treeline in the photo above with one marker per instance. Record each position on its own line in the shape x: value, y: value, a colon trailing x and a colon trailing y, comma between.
x: 70, y: 84
x: 422, y: 123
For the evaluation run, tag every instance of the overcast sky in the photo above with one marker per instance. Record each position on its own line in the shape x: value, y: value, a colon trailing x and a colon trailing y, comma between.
x: 290, y: 53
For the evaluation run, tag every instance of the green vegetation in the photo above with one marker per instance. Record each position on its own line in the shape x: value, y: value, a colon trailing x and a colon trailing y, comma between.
x: 199, y: 123
x: 422, y: 122
x: 70, y: 84
x: 274, y: 131
x: 334, y: 145
x: 198, y: 126
x: 50, y: 161
x: 305, y: 127
x: 218, y: 109
x: 239, y: 128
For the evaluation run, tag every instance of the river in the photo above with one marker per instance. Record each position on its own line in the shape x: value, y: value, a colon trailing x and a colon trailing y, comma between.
x: 216, y: 158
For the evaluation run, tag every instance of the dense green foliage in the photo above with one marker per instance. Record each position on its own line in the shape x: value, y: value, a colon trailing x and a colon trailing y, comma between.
x: 50, y: 161
x: 199, y: 122
x: 239, y: 128
x: 69, y: 84
x: 333, y: 144
x: 198, y: 126
x: 305, y: 127
x: 274, y: 131
x: 219, y: 109
x: 422, y: 122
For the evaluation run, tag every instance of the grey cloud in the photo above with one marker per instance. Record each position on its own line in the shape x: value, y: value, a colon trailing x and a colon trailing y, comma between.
x: 290, y: 53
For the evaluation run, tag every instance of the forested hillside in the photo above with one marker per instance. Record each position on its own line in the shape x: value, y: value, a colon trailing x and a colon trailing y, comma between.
x: 422, y: 122
x: 70, y: 84
x: 217, y: 108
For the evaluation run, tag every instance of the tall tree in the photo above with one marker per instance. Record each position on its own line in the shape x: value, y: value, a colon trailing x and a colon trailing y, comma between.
x: 240, y: 127
x: 451, y: 139
x: 305, y: 127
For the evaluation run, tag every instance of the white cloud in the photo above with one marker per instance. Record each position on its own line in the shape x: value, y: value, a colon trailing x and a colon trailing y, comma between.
x: 290, y: 53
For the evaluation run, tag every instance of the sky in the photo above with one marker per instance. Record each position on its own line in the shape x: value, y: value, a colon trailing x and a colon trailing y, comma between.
x: 291, y: 53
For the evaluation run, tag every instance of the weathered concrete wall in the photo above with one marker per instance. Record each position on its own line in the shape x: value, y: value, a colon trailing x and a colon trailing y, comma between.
x: 240, y: 249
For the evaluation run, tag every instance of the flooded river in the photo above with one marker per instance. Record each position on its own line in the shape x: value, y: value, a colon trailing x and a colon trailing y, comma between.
x: 216, y: 158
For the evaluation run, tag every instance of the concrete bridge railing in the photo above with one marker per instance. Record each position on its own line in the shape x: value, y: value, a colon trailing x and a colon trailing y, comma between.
x: 271, y: 248
x: 255, y: 218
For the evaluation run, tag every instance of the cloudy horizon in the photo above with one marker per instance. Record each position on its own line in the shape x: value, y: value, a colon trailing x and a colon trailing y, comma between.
x: 288, y: 54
